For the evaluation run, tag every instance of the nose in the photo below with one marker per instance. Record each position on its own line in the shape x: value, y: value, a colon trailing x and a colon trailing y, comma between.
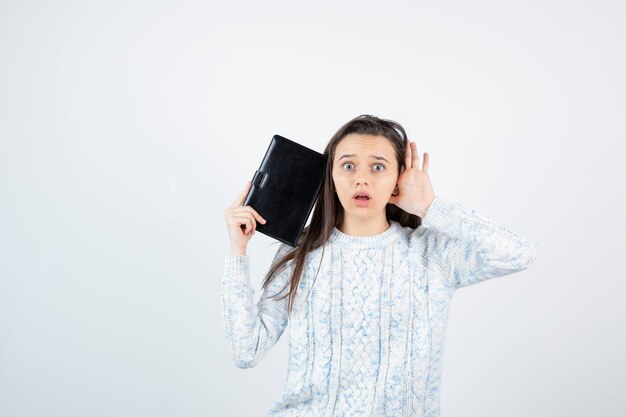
x: 361, y: 177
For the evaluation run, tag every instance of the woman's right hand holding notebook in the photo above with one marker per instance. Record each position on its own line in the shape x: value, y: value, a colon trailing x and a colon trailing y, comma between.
x: 241, y: 223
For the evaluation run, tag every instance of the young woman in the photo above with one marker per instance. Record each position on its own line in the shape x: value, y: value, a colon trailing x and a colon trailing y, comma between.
x: 366, y: 292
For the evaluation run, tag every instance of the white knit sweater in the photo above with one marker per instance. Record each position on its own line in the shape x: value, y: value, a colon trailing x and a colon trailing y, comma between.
x: 367, y: 334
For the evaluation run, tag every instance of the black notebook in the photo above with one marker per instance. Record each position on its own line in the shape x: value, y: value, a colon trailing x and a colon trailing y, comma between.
x: 285, y: 187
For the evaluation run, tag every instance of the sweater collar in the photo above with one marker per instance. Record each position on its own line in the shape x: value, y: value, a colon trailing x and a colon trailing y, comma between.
x: 372, y: 241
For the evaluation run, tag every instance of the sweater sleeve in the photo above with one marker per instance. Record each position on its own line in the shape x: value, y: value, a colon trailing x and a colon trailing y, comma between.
x: 473, y: 248
x: 252, y: 329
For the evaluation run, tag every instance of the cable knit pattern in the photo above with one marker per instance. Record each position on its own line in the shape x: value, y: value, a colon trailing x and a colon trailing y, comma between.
x: 368, y: 325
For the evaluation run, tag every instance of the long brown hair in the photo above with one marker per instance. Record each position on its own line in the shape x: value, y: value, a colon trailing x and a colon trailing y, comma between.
x: 328, y: 211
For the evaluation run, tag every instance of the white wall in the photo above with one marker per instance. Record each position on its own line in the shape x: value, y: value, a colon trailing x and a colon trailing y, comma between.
x: 127, y: 127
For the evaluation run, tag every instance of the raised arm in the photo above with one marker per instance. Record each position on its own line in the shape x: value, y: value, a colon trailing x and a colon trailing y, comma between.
x: 471, y: 247
x: 252, y: 329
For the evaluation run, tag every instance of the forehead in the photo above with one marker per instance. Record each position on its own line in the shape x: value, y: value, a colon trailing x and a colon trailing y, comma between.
x: 363, y: 145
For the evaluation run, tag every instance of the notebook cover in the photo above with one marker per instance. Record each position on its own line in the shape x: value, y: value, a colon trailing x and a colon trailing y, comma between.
x: 285, y: 187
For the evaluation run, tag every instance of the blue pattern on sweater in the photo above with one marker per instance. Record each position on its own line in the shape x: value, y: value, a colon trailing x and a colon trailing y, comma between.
x: 367, y: 333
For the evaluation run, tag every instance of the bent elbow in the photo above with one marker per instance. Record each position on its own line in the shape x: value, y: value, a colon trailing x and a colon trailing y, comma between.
x: 245, y: 361
x: 523, y: 257
x: 527, y: 256
x: 244, y: 364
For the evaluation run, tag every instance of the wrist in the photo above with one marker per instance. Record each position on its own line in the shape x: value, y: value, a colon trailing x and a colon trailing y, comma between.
x: 422, y: 214
x: 428, y: 206
x: 237, y: 251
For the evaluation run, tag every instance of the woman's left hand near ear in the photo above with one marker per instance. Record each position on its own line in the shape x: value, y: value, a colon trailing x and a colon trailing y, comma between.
x: 415, y: 190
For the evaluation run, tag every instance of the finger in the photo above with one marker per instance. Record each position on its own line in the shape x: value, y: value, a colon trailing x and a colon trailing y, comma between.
x: 407, y: 155
x: 415, y: 163
x: 250, y: 217
x: 256, y: 214
x: 244, y: 221
x: 239, y: 200
x: 252, y: 212
x: 252, y: 221
x: 426, y: 159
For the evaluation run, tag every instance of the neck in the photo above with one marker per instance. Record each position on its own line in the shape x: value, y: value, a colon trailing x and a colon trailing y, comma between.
x: 358, y: 227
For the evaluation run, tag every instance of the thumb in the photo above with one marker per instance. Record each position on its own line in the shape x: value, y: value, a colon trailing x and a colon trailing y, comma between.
x: 239, y: 200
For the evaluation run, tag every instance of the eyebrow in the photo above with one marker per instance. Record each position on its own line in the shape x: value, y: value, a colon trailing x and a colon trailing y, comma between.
x: 371, y: 156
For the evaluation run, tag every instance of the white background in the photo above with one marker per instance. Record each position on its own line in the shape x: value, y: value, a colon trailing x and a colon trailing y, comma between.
x: 127, y: 127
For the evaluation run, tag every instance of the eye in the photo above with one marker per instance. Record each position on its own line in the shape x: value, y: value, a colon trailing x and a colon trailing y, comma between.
x: 347, y: 163
x: 379, y: 165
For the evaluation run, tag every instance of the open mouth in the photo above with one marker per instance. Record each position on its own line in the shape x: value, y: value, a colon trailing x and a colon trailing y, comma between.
x: 361, y: 198
x: 361, y: 195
